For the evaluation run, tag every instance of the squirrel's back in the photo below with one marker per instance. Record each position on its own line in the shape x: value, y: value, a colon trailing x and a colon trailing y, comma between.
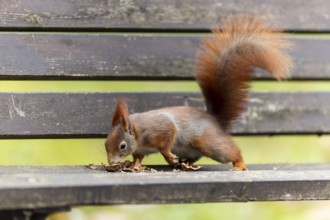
x: 226, y: 61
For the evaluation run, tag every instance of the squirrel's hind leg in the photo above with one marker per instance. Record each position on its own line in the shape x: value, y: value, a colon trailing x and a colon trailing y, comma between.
x: 221, y: 148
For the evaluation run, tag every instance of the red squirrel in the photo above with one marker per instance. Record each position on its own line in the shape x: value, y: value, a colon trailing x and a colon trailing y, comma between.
x: 223, y: 71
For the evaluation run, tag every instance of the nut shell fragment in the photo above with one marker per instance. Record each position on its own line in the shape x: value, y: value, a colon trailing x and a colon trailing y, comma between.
x: 127, y: 167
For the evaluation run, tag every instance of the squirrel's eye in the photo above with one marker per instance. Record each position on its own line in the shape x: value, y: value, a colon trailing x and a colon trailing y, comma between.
x: 122, y: 145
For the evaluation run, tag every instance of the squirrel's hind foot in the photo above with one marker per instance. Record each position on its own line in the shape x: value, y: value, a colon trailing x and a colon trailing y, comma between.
x: 239, y: 166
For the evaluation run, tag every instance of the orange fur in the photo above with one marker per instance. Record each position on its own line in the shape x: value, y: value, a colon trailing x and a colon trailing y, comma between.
x: 224, y: 67
x: 120, y: 114
x: 226, y: 61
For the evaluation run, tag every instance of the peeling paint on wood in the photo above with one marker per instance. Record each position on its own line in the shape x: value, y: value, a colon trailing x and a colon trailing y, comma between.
x: 129, y: 56
x: 88, y: 114
x: 169, y: 14
x: 60, y: 186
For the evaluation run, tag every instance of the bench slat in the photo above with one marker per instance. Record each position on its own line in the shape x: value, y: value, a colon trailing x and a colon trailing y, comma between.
x: 170, y: 14
x: 42, y: 115
x: 106, y: 56
x: 81, y: 186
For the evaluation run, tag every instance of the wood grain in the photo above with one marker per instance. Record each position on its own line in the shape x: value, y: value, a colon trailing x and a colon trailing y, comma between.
x: 170, y: 14
x: 94, y: 40
x: 46, y: 115
x: 77, y: 185
x: 130, y: 56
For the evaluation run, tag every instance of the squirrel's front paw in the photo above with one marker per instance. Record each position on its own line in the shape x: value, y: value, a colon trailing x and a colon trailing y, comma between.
x: 170, y: 158
x: 173, y: 161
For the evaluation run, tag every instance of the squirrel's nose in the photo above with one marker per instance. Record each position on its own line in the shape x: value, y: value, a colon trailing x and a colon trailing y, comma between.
x: 115, y: 159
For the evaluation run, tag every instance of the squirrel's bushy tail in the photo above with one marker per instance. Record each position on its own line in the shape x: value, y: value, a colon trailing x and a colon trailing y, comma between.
x: 226, y: 61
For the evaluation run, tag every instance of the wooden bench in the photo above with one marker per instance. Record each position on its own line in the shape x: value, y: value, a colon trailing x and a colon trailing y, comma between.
x: 141, y: 40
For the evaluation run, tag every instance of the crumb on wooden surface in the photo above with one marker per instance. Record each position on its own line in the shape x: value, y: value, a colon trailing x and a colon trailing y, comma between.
x: 128, y: 167
x: 188, y: 167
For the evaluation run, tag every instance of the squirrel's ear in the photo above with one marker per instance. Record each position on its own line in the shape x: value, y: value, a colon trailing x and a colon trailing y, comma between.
x: 120, y: 114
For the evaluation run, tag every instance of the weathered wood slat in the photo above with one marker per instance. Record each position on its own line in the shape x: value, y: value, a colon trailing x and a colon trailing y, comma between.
x: 106, y: 56
x: 65, y: 169
x: 89, y: 115
x: 78, y: 185
x: 170, y: 14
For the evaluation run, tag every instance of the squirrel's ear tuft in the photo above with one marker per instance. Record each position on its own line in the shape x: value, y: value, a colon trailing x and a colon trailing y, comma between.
x: 120, y: 115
